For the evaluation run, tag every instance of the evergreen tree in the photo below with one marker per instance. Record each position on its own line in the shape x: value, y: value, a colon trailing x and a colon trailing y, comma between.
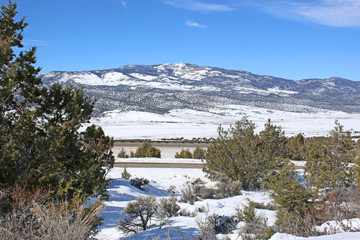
x: 199, y: 153
x: 40, y: 139
x: 329, y: 161
x: 288, y: 193
x: 273, y: 142
x: 184, y: 153
x: 296, y: 147
x: 147, y: 150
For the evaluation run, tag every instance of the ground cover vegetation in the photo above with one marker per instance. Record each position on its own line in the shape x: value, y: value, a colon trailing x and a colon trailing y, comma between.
x: 41, y: 145
x: 198, y: 153
x: 143, y: 151
x: 262, y: 161
x: 322, y: 198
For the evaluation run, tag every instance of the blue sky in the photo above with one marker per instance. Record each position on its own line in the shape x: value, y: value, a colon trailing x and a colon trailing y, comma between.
x: 294, y: 39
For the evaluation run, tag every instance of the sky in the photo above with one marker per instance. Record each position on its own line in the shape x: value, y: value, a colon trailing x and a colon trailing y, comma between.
x: 293, y: 39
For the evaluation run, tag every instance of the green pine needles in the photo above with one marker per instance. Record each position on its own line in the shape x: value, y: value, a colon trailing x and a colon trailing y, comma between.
x: 41, y: 144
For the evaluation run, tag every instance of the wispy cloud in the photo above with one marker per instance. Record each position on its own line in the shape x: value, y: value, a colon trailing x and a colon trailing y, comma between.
x: 337, y: 13
x: 123, y: 3
x: 334, y: 13
x: 196, y: 5
x: 195, y: 24
x: 32, y: 42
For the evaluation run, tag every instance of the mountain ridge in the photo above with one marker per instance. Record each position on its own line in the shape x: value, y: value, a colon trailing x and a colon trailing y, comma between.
x: 161, y: 88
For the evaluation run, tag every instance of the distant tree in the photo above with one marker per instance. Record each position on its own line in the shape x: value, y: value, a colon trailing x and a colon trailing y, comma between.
x: 122, y: 154
x: 244, y: 156
x: 125, y: 174
x: 273, y: 143
x: 41, y: 143
x: 329, y: 161
x: 147, y: 150
x: 297, y: 150
x: 199, y: 153
x: 184, y: 153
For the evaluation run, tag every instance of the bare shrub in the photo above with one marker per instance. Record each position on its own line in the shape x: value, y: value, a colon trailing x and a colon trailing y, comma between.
x: 188, y: 195
x: 206, y: 229
x: 168, y: 208
x: 139, y: 183
x: 31, y: 216
x: 172, y: 190
x: 202, y: 209
x: 228, y: 188
x: 139, y: 214
x: 215, y: 224
x: 195, y: 190
x: 256, y: 225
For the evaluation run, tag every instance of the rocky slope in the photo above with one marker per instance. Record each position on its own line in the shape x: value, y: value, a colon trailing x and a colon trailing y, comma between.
x: 161, y: 88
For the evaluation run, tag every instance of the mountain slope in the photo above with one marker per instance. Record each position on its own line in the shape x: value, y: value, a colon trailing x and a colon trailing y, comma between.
x: 161, y: 88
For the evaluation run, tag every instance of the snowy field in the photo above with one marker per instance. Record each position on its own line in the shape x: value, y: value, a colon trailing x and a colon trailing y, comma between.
x: 121, y: 192
x: 190, y: 124
x: 194, y: 124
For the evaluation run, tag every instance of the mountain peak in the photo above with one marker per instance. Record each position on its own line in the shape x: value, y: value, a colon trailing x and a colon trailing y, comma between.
x: 161, y: 88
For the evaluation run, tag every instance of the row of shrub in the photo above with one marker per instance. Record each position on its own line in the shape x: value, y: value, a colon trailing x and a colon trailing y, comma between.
x: 147, y: 150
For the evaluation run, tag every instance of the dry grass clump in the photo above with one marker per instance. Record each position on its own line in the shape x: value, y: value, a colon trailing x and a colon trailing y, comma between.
x: 31, y: 215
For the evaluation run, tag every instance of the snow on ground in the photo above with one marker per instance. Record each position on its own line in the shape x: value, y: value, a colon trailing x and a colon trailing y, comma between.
x: 121, y: 192
x: 339, y: 236
x: 190, y: 124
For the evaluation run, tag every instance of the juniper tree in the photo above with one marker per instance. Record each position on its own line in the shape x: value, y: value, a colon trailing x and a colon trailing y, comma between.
x: 329, y: 161
x: 242, y: 155
x: 296, y: 147
x: 147, y: 150
x: 184, y: 153
x: 293, y: 198
x: 41, y: 143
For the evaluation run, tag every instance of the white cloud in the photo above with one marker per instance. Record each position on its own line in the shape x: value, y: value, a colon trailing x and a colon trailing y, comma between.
x: 337, y: 13
x: 334, y: 13
x: 123, y: 3
x: 195, y: 24
x: 196, y: 5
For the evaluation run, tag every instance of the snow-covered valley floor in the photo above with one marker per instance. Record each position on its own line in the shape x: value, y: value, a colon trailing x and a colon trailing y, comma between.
x: 188, y: 124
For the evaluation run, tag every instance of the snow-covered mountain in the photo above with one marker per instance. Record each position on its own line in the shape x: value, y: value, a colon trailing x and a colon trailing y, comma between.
x: 162, y: 88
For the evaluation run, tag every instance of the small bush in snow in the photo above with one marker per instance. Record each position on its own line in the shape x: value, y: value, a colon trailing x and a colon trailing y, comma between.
x: 139, y: 183
x: 188, y: 195
x: 146, y: 150
x: 256, y: 226
x: 168, y: 207
x: 139, y: 214
x: 215, y: 224
x: 196, y: 190
x: 125, y: 174
x: 228, y: 188
x: 122, y: 154
x: 184, y: 153
x: 171, y: 190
